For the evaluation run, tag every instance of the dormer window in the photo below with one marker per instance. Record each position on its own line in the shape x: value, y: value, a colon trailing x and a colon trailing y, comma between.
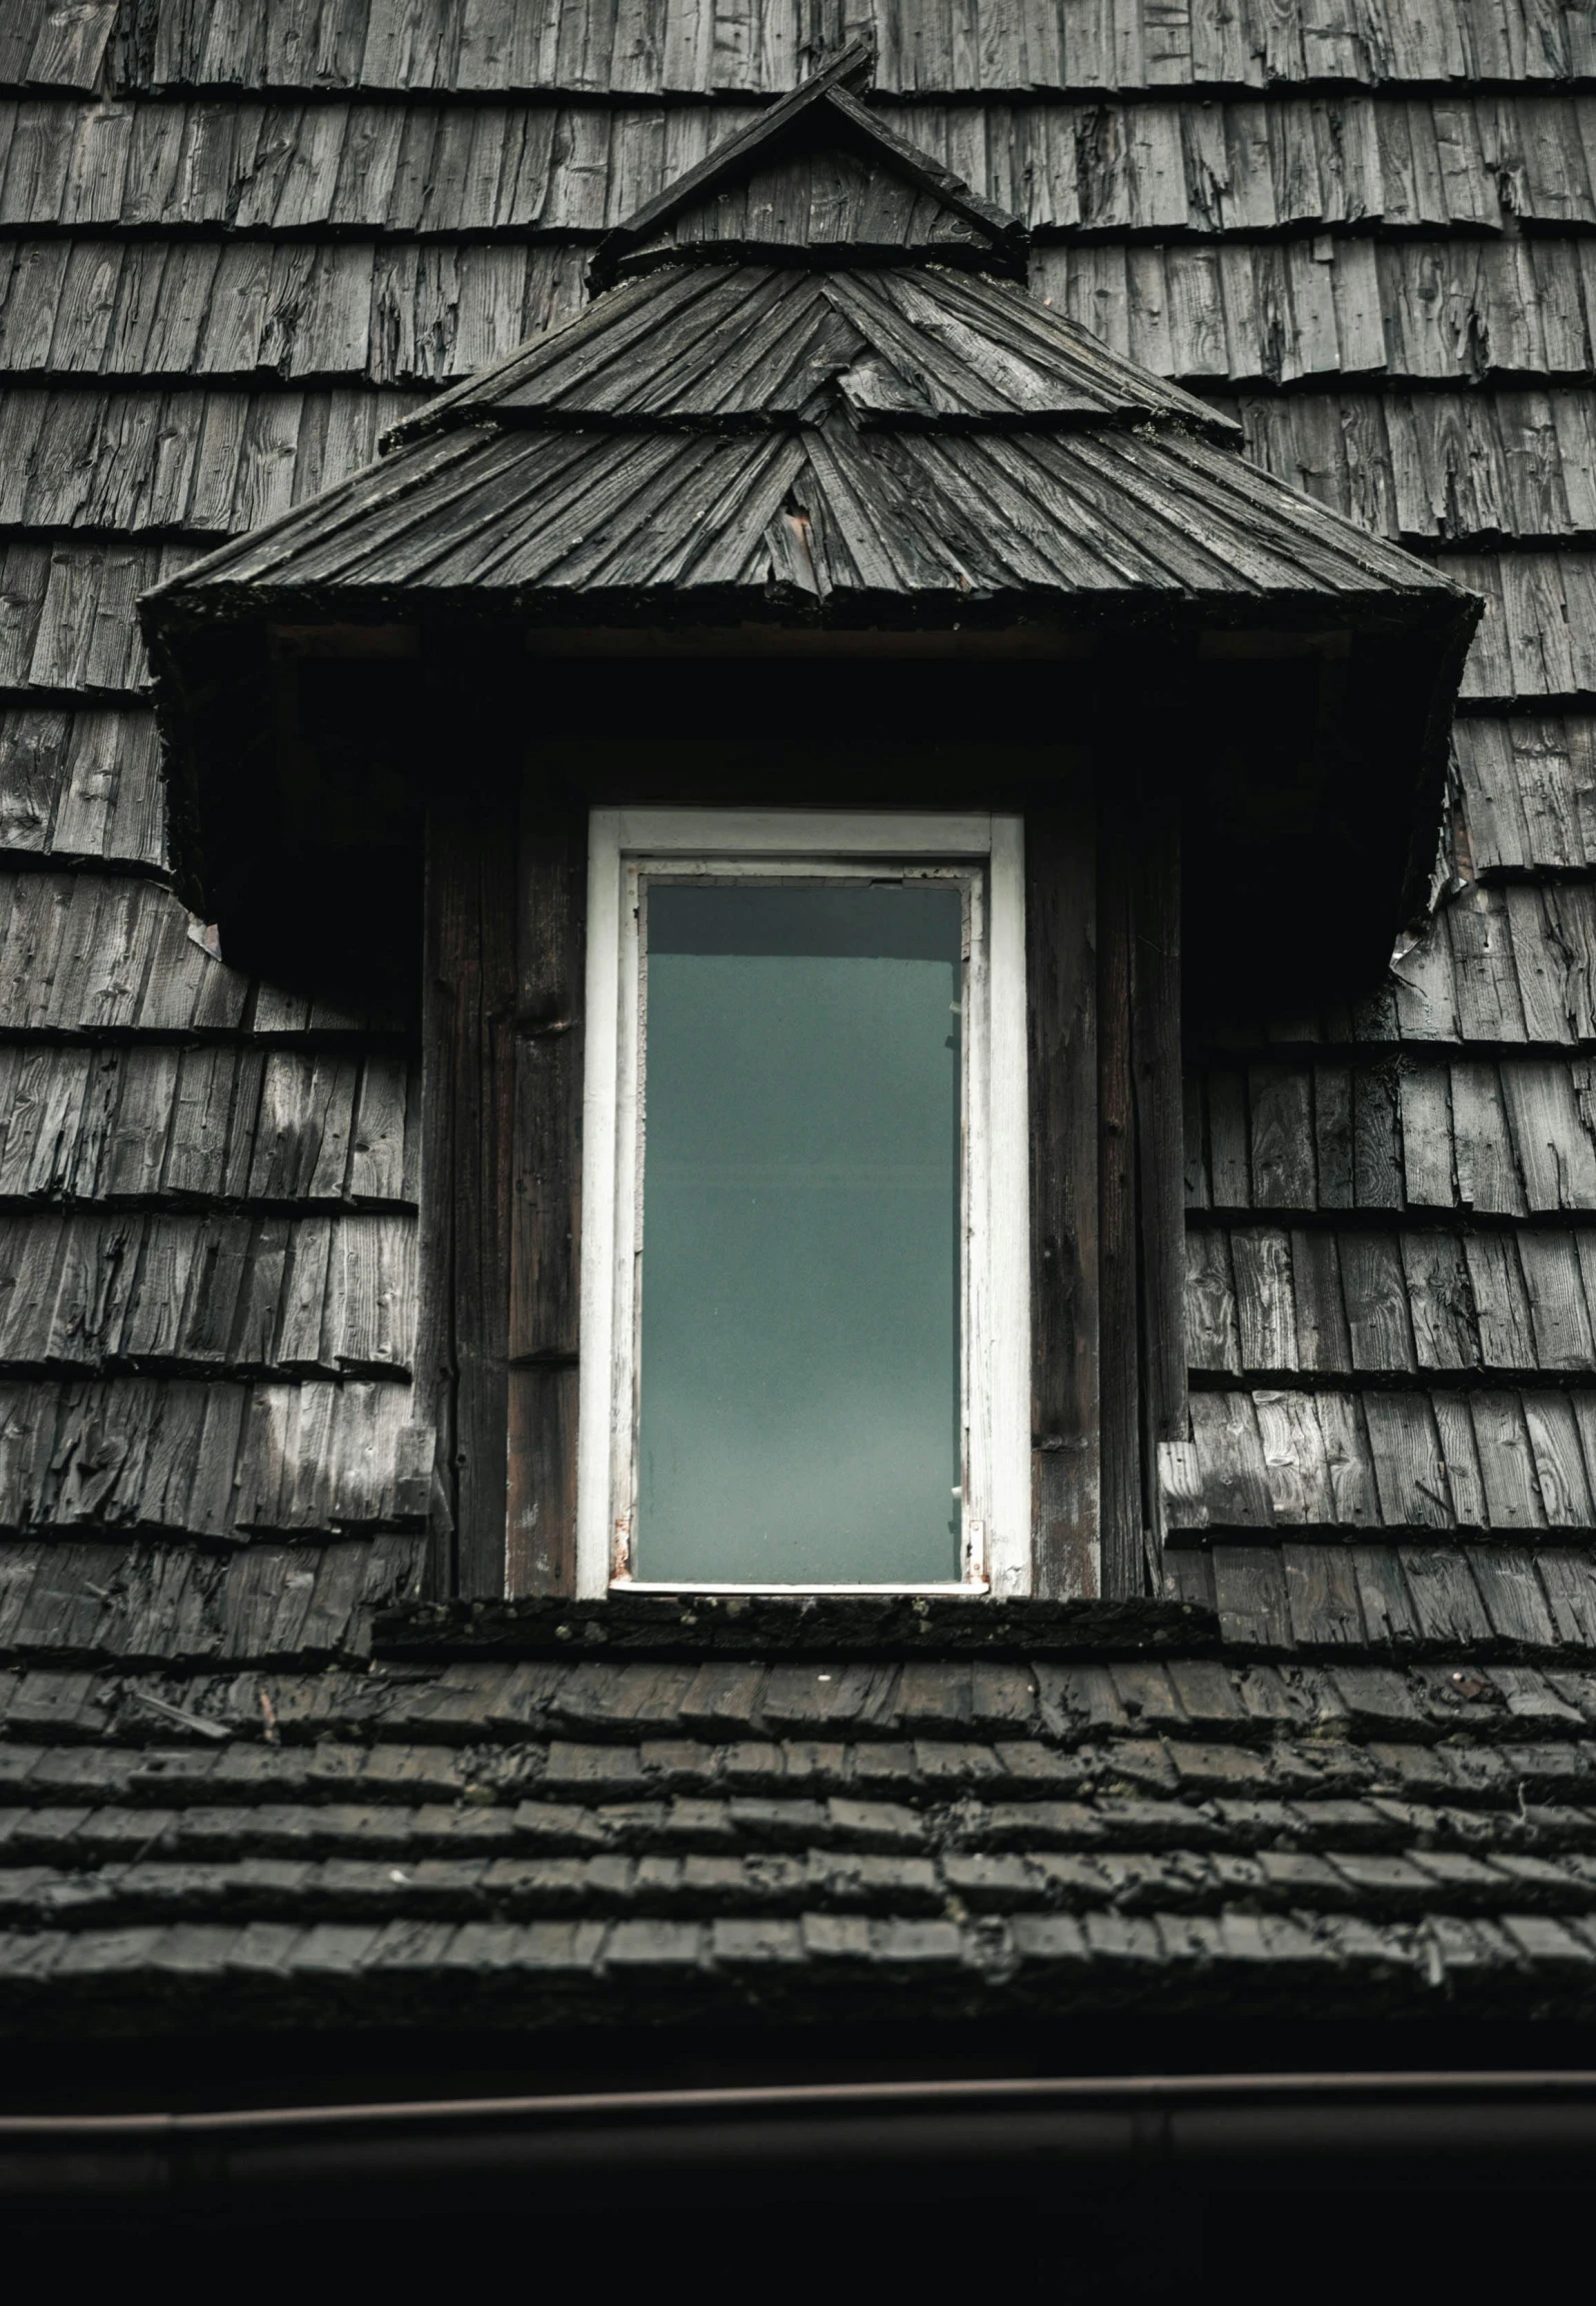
x: 802, y: 1186
x: 806, y: 1272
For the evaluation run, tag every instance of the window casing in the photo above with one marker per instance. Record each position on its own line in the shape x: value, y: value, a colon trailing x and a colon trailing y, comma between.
x: 978, y: 857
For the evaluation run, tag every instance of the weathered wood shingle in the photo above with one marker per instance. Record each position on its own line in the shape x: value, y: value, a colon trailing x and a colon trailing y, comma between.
x: 1369, y: 242
x: 237, y: 245
x: 552, y: 1841
x: 762, y: 46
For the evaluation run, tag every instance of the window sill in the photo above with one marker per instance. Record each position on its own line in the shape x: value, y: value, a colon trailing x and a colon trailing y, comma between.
x: 622, y: 1588
x: 768, y: 1625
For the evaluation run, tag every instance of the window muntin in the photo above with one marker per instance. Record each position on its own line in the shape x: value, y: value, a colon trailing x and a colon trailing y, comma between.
x: 773, y: 1139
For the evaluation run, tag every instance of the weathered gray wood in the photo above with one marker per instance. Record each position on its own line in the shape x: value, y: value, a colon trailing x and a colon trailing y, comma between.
x: 391, y: 313
x: 1349, y: 1298
x: 132, y: 459
x: 1120, y: 1379
x: 1568, y: 1580
x: 1499, y: 1458
x: 1251, y: 1592
x: 1273, y: 313
x: 544, y: 1274
x: 470, y: 999
x: 1171, y: 170
x: 1062, y: 939
x: 144, y: 1123
x: 70, y: 625
x: 820, y: 112
x: 1155, y: 1063
x: 140, y: 1602
x: 747, y: 49
x: 319, y: 1296
x: 208, y: 1459
x: 1322, y: 1596
x: 1446, y: 1602
x: 1389, y: 1612
x: 1505, y: 1138
x: 700, y: 507
x: 1349, y: 324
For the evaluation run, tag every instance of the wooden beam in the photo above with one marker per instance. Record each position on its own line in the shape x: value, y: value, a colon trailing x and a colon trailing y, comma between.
x: 1144, y: 725
x: 544, y: 1266
x: 1154, y: 887
x: 1062, y: 968
x: 1120, y: 1358
x: 468, y: 1003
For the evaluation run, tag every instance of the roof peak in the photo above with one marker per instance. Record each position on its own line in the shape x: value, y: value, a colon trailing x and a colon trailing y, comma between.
x: 806, y: 169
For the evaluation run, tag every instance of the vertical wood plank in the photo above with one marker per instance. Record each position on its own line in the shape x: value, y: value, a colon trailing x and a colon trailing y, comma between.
x: 545, y: 1284
x: 541, y: 1524
x: 1141, y: 1151
x: 468, y: 1029
x: 1155, y: 875
x: 1061, y: 963
x: 1120, y: 1354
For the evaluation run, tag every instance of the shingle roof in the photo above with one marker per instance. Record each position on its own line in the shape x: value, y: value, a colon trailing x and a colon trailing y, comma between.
x: 231, y: 258
x: 922, y: 434
x: 196, y: 242
x: 539, y: 1844
x: 823, y: 514
x: 734, y: 344
x: 430, y: 46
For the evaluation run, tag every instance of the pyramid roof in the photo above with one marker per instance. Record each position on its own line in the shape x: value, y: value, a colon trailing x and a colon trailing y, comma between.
x: 808, y: 383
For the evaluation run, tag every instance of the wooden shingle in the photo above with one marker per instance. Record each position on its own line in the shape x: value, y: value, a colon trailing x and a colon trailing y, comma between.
x: 278, y: 231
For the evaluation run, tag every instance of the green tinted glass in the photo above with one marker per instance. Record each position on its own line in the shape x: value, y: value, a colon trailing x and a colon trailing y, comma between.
x: 800, y: 1355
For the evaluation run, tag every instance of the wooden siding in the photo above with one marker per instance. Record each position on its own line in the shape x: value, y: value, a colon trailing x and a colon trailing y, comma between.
x: 1509, y: 1136
x: 1162, y: 169
x: 234, y: 250
x: 647, y: 48
x: 409, y: 312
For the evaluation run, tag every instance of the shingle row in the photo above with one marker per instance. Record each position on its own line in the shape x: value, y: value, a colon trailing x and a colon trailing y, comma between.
x: 1414, y: 1595
x: 81, y: 954
x: 591, y: 1738
x: 1500, y: 1460
x: 1509, y: 1138
x: 1154, y: 168
x: 207, y: 461
x: 1436, y: 466
x: 1266, y: 1300
x: 130, y: 1122
x: 1289, y: 312
x: 81, y: 784
x: 1498, y: 965
x: 212, y: 1460
x: 1425, y: 467
x: 311, y: 1295
x: 644, y: 47
x: 1242, y: 311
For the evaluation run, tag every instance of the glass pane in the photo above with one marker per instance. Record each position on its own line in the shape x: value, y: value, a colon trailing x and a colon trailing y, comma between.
x: 799, y: 1369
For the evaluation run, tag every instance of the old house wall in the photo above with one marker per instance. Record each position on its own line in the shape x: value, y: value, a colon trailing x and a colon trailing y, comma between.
x: 235, y: 243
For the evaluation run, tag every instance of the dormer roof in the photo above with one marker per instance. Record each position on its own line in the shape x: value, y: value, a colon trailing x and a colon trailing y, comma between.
x: 810, y: 382
x: 811, y: 389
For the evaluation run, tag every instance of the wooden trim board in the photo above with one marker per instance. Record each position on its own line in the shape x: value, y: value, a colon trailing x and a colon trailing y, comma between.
x: 997, y: 1333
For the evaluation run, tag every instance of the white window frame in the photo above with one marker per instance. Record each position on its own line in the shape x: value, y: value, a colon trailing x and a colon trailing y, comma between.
x: 995, y: 1330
